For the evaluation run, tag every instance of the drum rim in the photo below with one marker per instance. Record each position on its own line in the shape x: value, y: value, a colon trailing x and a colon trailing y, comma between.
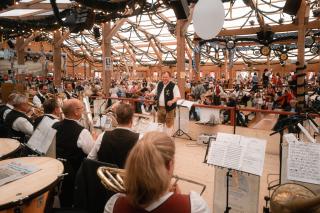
x: 292, y: 184
x: 4, y: 157
x: 30, y: 197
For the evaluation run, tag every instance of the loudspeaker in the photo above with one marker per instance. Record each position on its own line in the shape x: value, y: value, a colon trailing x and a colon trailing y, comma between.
x: 180, y: 8
x: 80, y: 19
x: 11, y: 44
x: 292, y: 7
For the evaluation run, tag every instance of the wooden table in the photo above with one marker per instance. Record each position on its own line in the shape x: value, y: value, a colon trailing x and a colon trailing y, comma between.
x: 7, y: 147
x: 33, y: 187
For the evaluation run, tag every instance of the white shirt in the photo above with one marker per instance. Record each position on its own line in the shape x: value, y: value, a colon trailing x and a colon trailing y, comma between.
x: 36, y: 100
x: 176, y: 93
x: 94, y: 152
x: 6, y: 112
x: 85, y: 140
x: 21, y: 124
x: 198, y: 205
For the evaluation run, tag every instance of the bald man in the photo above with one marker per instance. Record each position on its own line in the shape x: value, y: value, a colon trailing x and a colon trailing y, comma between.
x: 73, y: 143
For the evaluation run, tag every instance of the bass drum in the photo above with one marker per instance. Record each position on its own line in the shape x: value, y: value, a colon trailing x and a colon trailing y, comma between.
x: 292, y: 197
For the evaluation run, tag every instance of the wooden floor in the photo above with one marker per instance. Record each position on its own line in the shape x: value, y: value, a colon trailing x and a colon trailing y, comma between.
x: 189, y: 159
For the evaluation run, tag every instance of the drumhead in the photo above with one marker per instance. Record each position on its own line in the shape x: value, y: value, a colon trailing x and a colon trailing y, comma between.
x: 8, y: 147
x: 33, y: 185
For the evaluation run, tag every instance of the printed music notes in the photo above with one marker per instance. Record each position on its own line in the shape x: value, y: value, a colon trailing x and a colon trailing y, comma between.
x: 238, y: 152
x: 304, y: 162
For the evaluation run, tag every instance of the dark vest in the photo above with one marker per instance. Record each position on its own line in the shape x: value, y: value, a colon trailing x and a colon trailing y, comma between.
x: 68, y: 132
x: 42, y: 99
x: 10, y: 119
x: 3, y: 108
x: 39, y: 119
x: 168, y: 94
x: 4, y: 131
x: 116, y: 145
x: 176, y: 203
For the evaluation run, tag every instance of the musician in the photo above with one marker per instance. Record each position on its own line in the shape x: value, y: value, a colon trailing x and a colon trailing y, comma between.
x: 4, y: 110
x: 149, y: 169
x: 41, y: 96
x: 69, y: 91
x: 73, y: 143
x: 18, y: 124
x: 167, y: 94
x: 51, y: 110
x: 113, y: 146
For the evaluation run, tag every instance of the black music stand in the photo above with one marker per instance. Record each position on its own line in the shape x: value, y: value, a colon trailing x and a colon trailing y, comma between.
x: 179, y: 131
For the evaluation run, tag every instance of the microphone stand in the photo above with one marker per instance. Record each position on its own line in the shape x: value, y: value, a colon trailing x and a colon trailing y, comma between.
x: 229, y: 175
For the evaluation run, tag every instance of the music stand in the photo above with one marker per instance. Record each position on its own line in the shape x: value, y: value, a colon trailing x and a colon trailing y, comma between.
x: 227, y: 146
x: 179, y: 131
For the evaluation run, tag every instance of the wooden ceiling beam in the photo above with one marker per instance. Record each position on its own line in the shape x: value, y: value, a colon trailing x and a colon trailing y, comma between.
x: 116, y: 27
x: 276, y: 28
x: 253, y: 5
x: 63, y: 37
x: 184, y: 28
x: 28, y: 40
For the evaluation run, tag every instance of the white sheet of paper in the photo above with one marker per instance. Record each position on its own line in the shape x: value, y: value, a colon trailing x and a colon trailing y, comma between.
x: 304, y: 162
x: 238, y: 152
x: 185, y: 103
x: 43, y: 136
x: 209, y: 115
x: 184, y: 119
x: 290, y: 138
x: 87, y: 111
x: 99, y: 106
x: 15, y: 170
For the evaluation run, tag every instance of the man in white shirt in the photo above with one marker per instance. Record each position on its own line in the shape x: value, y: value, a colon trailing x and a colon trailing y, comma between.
x: 167, y: 94
x: 40, y: 97
x: 17, y: 122
x: 113, y: 146
x: 73, y: 143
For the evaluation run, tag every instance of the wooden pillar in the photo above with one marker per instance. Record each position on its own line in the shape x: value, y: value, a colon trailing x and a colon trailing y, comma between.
x: 301, y: 54
x: 57, y: 58
x: 181, y: 57
x: 20, y: 58
x: 89, y: 73
x: 85, y: 69
x: 225, y: 70
x: 106, y: 57
x: 196, y: 73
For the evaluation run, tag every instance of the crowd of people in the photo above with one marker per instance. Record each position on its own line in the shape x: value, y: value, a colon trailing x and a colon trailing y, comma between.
x: 119, y: 146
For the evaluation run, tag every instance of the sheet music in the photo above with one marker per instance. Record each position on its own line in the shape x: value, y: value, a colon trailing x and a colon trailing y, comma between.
x: 99, y: 106
x: 88, y: 111
x: 304, y: 162
x: 43, y: 136
x: 253, y: 155
x: 185, y: 103
x: 15, y: 170
x: 106, y: 122
x: 238, y: 152
x: 290, y: 138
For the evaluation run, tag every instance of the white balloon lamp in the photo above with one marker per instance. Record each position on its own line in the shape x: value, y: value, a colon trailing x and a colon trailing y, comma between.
x: 208, y: 18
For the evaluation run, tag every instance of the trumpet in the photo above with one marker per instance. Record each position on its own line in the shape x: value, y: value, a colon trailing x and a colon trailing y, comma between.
x: 35, y: 110
x: 113, y: 179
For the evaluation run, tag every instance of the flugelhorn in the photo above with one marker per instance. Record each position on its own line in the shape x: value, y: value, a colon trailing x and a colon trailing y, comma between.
x: 113, y: 179
x: 291, y: 197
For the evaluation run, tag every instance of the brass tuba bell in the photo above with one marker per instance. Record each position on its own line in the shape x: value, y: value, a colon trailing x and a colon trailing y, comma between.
x: 291, y: 197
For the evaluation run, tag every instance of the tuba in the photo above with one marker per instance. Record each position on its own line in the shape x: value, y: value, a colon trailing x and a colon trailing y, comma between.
x: 113, y: 179
x: 291, y: 197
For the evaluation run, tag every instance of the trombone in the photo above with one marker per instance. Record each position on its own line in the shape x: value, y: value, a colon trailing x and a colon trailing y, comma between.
x: 113, y: 179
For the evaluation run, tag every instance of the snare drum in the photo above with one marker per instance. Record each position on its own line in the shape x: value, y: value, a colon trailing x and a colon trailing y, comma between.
x: 8, y: 147
x: 30, y: 194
